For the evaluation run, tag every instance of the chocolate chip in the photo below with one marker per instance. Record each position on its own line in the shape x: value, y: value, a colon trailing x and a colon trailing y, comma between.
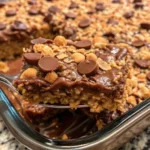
x: 145, y: 25
x: 19, y: 26
x: 109, y: 35
x: 91, y: 11
x: 33, y: 11
x: 32, y: 58
x: 148, y: 76
x: 47, y: 64
x: 73, y: 5
x: 129, y: 15
x: 138, y: 43
x: 54, y: 9
x: 107, y: 58
x: 69, y: 32
x: 137, y: 1
x: 70, y: 15
x: 2, y: 4
x: 113, y: 49
x: 48, y: 18
x: 100, y: 6
x: 83, y: 44
x: 2, y: 26
x: 87, y: 67
x: 32, y: 2
x: 116, y: 1
x: 142, y: 63
x: 10, y: 13
x: 84, y: 23
x: 112, y: 21
x: 138, y: 5
x: 39, y: 41
x: 106, y: 79
x: 106, y: 116
x: 70, y: 43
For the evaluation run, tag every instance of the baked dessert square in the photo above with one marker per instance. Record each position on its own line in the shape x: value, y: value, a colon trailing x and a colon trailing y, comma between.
x: 73, y: 73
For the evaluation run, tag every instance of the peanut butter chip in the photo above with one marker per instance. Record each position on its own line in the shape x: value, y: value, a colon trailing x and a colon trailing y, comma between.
x: 60, y: 41
x: 3, y: 67
x: 32, y: 58
x: 132, y: 100
x: 98, y: 41
x: 78, y: 57
x: 91, y: 56
x: 39, y: 41
x: 103, y: 65
x: 84, y: 23
x: 47, y: 64
x: 51, y: 77
x: 62, y: 56
x: 29, y: 74
x: 65, y: 137
x: 87, y: 67
x: 83, y: 44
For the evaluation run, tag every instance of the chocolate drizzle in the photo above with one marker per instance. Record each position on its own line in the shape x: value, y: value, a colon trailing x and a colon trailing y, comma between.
x: 103, y: 83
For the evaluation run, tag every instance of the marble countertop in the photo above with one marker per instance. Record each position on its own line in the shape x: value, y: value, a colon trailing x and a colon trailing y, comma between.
x: 8, y: 142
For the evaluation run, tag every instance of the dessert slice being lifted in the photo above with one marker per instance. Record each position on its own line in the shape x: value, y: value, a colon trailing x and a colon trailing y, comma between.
x: 73, y: 73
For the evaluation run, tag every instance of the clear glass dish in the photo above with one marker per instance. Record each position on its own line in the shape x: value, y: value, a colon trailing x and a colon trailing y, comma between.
x: 111, y: 137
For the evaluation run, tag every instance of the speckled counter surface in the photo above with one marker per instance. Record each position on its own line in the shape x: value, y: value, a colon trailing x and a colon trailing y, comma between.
x: 8, y: 142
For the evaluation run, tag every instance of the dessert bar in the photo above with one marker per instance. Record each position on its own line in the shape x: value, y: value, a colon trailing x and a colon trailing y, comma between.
x: 74, y: 73
x: 112, y: 21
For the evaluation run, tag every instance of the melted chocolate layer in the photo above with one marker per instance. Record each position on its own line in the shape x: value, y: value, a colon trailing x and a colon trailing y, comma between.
x: 103, y: 83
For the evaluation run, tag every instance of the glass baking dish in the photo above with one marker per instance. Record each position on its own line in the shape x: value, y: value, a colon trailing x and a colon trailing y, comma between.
x: 111, y: 137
